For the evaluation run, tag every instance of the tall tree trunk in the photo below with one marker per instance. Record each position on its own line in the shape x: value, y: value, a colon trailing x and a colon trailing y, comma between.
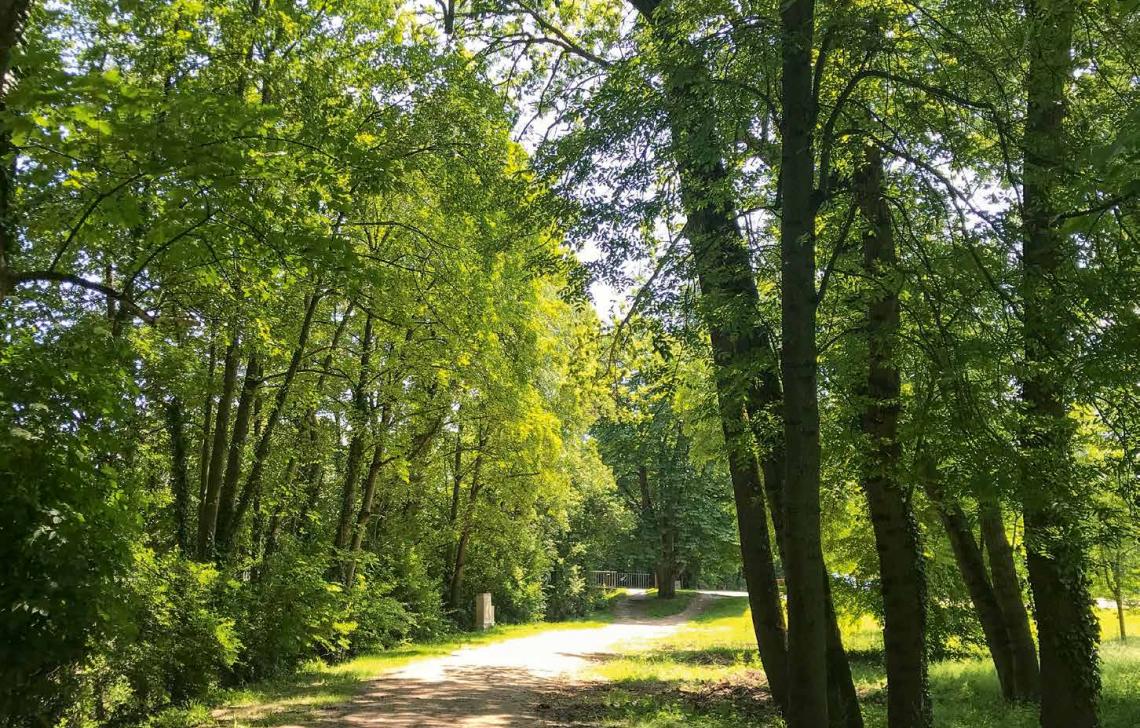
x: 804, y: 570
x: 667, y: 564
x: 252, y: 485
x: 455, y: 587
x: 13, y: 17
x: 843, y: 701
x: 1055, y: 548
x: 208, y: 509
x: 312, y: 472
x: 968, y: 556
x: 1007, y: 589
x: 729, y: 300
x: 242, y: 418
x: 356, y: 444
x: 207, y: 415
x: 179, y: 475
x: 367, y: 498
x: 902, y: 577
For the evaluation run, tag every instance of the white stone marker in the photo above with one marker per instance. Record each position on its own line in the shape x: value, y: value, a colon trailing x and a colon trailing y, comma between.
x: 484, y: 611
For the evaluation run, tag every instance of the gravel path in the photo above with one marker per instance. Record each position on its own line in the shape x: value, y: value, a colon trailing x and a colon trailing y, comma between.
x: 499, y: 684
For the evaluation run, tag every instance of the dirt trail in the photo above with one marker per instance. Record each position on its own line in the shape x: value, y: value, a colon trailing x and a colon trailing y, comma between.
x: 499, y: 684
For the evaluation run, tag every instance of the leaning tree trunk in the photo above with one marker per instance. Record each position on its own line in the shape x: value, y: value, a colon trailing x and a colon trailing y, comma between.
x: 1055, y: 548
x: 804, y: 569
x: 903, y: 581
x: 242, y: 419
x: 729, y: 300
x: 208, y: 508
x: 972, y: 566
x: 1007, y: 589
x: 252, y: 487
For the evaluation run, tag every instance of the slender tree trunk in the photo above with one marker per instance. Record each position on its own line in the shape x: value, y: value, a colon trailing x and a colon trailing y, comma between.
x: 667, y: 565
x: 242, y: 418
x: 1117, y: 584
x: 455, y: 587
x: 207, y: 418
x: 1055, y: 549
x: 1007, y: 589
x: 903, y: 580
x: 179, y: 475
x: 13, y: 17
x: 356, y: 444
x: 252, y: 485
x: 843, y: 701
x: 968, y: 556
x: 804, y: 570
x: 208, y: 510
x: 367, y: 499
x: 729, y: 300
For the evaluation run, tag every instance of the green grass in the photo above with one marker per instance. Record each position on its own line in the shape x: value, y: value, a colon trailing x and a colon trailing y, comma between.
x: 653, y: 608
x: 708, y: 675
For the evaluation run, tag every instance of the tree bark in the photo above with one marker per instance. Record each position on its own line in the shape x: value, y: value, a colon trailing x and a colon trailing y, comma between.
x: 208, y: 510
x: 804, y: 569
x: 843, y: 701
x: 1007, y: 589
x: 356, y: 444
x: 729, y: 299
x: 179, y: 475
x: 207, y: 416
x: 252, y: 485
x: 238, y: 439
x: 13, y: 17
x: 968, y: 556
x: 901, y: 569
x: 1055, y: 549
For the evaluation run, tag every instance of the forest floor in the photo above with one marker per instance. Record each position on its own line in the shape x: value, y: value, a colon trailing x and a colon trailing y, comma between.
x: 650, y: 664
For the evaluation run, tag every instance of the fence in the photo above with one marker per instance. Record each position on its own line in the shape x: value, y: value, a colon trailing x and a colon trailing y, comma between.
x: 622, y: 580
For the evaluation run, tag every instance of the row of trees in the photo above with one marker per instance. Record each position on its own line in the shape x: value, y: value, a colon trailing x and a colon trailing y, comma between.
x: 907, y: 230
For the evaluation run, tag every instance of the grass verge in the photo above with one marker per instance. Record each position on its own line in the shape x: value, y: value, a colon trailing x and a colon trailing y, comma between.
x: 707, y: 675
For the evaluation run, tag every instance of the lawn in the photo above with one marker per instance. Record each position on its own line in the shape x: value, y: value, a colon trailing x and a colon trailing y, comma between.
x: 708, y: 675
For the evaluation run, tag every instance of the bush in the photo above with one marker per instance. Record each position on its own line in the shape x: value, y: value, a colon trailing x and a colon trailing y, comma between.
x: 289, y: 615
x: 68, y: 512
x: 180, y: 645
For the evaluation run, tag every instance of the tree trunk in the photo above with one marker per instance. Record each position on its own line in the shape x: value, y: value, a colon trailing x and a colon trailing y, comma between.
x: 252, y: 485
x: 366, y: 500
x: 843, y: 701
x: 208, y: 510
x: 1055, y: 548
x: 804, y: 570
x: 902, y: 577
x: 356, y: 444
x: 312, y: 473
x: 207, y: 414
x: 968, y: 556
x: 1007, y: 589
x: 667, y: 565
x: 13, y: 17
x: 455, y: 587
x: 179, y: 475
x: 238, y: 439
x: 728, y: 300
